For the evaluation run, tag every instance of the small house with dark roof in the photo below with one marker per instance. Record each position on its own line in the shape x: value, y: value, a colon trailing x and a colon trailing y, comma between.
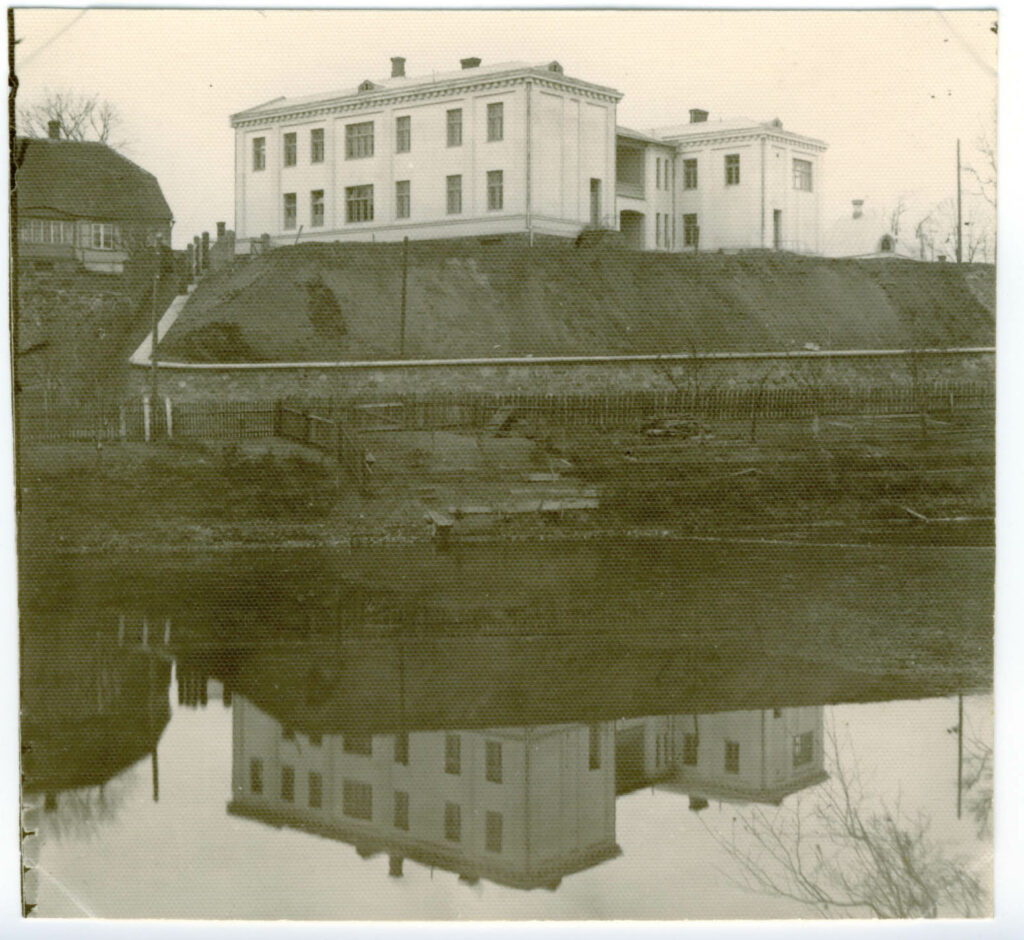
x: 82, y: 202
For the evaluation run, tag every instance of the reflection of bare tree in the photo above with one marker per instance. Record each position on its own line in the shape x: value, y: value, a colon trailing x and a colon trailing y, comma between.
x: 79, y: 814
x: 844, y: 857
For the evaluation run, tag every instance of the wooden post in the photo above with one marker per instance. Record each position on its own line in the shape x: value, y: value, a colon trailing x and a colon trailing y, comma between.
x: 170, y: 417
x: 145, y: 417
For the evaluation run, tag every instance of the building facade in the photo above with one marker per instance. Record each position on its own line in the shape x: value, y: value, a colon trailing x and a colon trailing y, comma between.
x: 515, y: 149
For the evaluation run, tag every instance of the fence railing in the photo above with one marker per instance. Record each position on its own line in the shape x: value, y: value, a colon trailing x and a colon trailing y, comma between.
x: 334, y: 424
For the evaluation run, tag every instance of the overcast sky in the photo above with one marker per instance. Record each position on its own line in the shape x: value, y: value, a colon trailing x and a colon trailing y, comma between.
x: 888, y: 91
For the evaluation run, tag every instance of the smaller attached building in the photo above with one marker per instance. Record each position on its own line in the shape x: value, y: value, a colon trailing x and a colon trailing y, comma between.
x: 81, y: 202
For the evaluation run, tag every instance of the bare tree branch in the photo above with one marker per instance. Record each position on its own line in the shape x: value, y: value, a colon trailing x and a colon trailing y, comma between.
x: 80, y: 116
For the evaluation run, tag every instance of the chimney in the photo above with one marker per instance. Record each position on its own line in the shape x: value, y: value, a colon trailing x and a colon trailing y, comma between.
x: 697, y: 803
x: 858, y: 208
x: 221, y: 229
x: 397, y: 67
x: 395, y: 866
x: 53, y: 130
x: 472, y: 63
x: 697, y: 116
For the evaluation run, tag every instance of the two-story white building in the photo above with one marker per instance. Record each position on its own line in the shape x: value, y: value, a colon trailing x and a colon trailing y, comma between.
x: 515, y: 148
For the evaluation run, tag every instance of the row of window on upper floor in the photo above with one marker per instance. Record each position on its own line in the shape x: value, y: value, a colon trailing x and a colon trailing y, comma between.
x: 99, y: 235
x: 359, y: 200
x: 359, y: 137
x: 665, y: 173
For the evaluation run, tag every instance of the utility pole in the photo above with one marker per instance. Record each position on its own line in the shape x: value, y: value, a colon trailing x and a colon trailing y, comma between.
x: 156, y: 327
x: 959, y: 216
x: 405, y: 276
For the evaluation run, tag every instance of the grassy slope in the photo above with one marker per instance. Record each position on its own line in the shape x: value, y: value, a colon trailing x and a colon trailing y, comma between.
x: 320, y: 301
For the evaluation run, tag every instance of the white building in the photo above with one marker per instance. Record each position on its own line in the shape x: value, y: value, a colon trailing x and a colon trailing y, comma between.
x: 515, y: 149
x: 867, y: 233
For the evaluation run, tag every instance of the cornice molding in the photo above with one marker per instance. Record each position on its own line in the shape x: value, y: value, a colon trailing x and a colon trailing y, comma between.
x: 753, y: 133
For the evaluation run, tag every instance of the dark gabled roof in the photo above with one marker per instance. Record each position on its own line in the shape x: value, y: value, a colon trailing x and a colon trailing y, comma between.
x: 87, y: 180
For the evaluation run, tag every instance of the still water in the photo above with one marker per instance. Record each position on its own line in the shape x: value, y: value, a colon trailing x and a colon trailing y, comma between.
x: 587, y: 732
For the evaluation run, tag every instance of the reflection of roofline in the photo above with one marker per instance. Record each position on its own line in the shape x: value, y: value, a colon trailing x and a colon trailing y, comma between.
x: 739, y: 794
x: 425, y: 853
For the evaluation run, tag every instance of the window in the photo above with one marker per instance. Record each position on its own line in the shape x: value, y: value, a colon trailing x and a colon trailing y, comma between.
x: 494, y: 761
x: 259, y: 153
x: 357, y: 799
x: 403, y: 200
x: 803, y: 748
x: 657, y: 229
x: 102, y: 235
x: 358, y: 140
x: 290, y: 221
x: 454, y: 195
x: 401, y: 817
x: 316, y: 790
x: 403, y: 134
x: 885, y: 244
x: 691, y: 230
x: 493, y: 832
x: 690, y: 742
x: 291, y: 148
x: 495, y: 189
x: 288, y: 784
x: 402, y: 748
x: 359, y: 203
x: 732, y: 757
x: 48, y: 232
x: 690, y: 174
x: 657, y: 172
x: 453, y: 822
x: 452, y: 754
x: 455, y: 127
x: 316, y: 145
x: 595, y: 202
x: 316, y: 207
x: 594, y: 735
x: 732, y: 169
x: 802, y: 175
x: 256, y: 775
x: 357, y: 744
x: 496, y: 121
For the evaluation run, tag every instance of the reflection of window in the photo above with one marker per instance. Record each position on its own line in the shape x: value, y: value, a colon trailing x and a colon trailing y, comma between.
x: 802, y: 175
x: 256, y: 775
x: 316, y: 145
x: 732, y: 169
x: 401, y: 820
x: 357, y: 744
x: 288, y: 784
x: 732, y: 757
x: 690, y: 749
x: 803, y: 748
x: 357, y: 799
x: 493, y: 832
x: 452, y: 754
x: 594, y: 734
x: 291, y: 149
x: 494, y: 761
x: 402, y: 748
x: 316, y: 790
x: 453, y: 822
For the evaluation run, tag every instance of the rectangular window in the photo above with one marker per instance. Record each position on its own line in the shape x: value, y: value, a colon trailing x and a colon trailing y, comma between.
x: 493, y: 832
x: 256, y: 775
x: 494, y: 761
x: 55, y: 233
x: 454, y: 195
x: 595, y: 202
x: 357, y: 799
x: 259, y: 153
x: 102, y: 235
x: 452, y: 754
x: 657, y: 172
x: 359, y: 203
x: 495, y: 189
x: 403, y: 200
x: 358, y: 140
x: 357, y: 744
x: 453, y: 822
x: 803, y: 748
x: 316, y: 790
x: 455, y: 127
x: 657, y: 229
x: 403, y: 134
x: 291, y: 149
x: 732, y: 169
x: 316, y: 207
x: 316, y: 145
x: 690, y: 750
x: 594, y: 735
x: 402, y: 748
x: 290, y: 210
x: 802, y: 178
x: 496, y: 121
x: 691, y: 231
x: 690, y: 174
x: 401, y: 817
x: 732, y: 757
x: 288, y: 784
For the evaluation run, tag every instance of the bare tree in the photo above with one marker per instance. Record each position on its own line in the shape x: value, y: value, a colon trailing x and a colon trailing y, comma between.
x: 847, y: 858
x: 937, y: 231
x: 896, y: 213
x: 81, y: 117
x: 985, y: 172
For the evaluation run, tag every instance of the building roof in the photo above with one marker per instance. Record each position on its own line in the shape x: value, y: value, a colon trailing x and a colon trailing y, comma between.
x: 739, y: 125
x: 370, y: 87
x: 639, y: 135
x: 862, y: 237
x: 85, y: 180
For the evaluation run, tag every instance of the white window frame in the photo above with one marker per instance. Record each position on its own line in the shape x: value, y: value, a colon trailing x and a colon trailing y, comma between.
x: 316, y: 208
x: 403, y: 133
x: 495, y: 190
x: 105, y: 233
x: 454, y: 127
x: 359, y: 203
x: 317, y: 145
x: 495, y: 121
x: 289, y: 206
x: 453, y: 194
x: 403, y: 199
x: 259, y: 154
x: 803, y: 175
x: 290, y: 148
x: 359, y: 140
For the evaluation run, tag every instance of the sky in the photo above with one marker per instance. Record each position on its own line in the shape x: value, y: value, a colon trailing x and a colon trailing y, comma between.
x: 890, y: 92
